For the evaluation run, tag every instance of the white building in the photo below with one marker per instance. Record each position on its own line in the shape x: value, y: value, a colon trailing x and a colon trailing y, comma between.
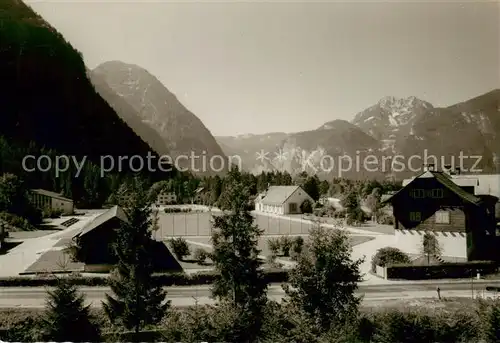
x: 281, y: 200
x: 166, y: 198
x: 43, y: 200
x: 477, y: 184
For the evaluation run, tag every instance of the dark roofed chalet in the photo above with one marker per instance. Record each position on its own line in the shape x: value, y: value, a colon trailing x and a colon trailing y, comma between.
x: 96, y: 238
x: 432, y: 201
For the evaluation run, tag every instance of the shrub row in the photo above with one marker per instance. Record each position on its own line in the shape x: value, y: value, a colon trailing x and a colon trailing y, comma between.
x: 472, y: 322
x: 178, y: 210
x: 441, y: 271
x: 272, y: 275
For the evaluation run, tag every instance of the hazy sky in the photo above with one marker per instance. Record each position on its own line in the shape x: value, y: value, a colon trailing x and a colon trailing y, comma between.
x: 291, y: 66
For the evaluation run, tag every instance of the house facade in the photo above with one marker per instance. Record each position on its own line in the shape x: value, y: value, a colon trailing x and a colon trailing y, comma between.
x: 166, y: 198
x: 43, y: 199
x: 462, y: 221
x: 282, y: 200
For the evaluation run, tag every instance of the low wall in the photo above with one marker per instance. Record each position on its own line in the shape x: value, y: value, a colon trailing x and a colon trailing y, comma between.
x: 453, y: 244
x: 381, y: 271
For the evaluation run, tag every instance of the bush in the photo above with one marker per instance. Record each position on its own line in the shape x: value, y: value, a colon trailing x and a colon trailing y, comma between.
x: 286, y: 245
x: 274, y: 245
x: 201, y: 255
x: 306, y: 206
x: 355, y: 216
x: 179, y: 247
x: 51, y: 213
x: 385, y: 219
x: 297, y: 246
x: 388, y: 256
x: 341, y: 214
x: 472, y: 323
x: 271, y: 261
x: 271, y: 275
x: 18, y: 222
x: 178, y: 210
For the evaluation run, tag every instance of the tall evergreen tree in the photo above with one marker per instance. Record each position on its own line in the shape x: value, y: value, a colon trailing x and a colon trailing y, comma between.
x: 236, y: 258
x: 137, y: 301
x: 67, y: 319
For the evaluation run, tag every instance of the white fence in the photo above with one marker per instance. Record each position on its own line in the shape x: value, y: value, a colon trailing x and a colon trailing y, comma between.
x: 200, y: 224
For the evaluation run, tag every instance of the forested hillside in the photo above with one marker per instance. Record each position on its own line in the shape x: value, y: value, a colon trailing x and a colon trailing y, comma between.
x: 48, y: 103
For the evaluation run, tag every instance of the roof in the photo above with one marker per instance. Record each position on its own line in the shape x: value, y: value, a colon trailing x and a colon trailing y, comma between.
x: 385, y: 197
x: 447, y: 181
x: 277, y: 195
x: 113, y: 212
x: 51, y: 194
x: 486, y: 183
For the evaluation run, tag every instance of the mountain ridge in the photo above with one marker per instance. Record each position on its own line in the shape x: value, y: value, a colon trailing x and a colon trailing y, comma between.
x: 398, y: 126
x: 182, y: 132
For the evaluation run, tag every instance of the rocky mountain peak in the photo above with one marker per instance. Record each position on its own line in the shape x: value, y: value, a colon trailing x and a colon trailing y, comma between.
x: 402, y: 105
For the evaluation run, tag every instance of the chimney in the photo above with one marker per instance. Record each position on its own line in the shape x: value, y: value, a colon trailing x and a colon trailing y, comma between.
x: 447, y: 169
x: 428, y: 167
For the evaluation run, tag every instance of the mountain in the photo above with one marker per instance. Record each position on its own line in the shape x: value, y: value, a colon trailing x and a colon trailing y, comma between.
x: 183, y: 133
x: 397, y: 134
x: 316, y: 151
x: 329, y: 150
x: 412, y: 127
x: 248, y: 146
x: 128, y: 114
x: 46, y: 97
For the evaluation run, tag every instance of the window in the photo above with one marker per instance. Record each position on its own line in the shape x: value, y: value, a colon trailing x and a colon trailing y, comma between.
x: 442, y: 217
x: 415, y: 216
x: 417, y: 193
x: 437, y: 193
x: 292, y: 207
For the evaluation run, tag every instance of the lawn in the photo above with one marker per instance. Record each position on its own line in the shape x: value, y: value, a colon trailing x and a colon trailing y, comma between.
x: 199, y: 224
x: 263, y: 242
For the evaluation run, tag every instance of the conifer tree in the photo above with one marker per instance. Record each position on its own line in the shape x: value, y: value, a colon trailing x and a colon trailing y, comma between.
x: 236, y: 258
x: 137, y: 300
x: 67, y: 319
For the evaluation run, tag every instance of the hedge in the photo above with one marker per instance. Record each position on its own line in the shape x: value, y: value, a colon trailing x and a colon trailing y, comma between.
x: 178, y: 210
x: 441, y: 271
x: 272, y: 275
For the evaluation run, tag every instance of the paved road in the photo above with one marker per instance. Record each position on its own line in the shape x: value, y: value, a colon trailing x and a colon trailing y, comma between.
x: 34, y: 297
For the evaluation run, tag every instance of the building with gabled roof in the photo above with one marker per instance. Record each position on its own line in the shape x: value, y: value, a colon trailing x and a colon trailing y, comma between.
x: 432, y: 201
x: 282, y: 200
x: 43, y: 199
x: 94, y: 239
x: 95, y: 243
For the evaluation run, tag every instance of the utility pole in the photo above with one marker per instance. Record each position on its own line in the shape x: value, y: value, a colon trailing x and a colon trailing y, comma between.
x: 472, y: 283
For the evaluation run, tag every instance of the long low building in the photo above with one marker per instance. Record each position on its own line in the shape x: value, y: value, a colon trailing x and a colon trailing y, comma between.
x: 43, y: 199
